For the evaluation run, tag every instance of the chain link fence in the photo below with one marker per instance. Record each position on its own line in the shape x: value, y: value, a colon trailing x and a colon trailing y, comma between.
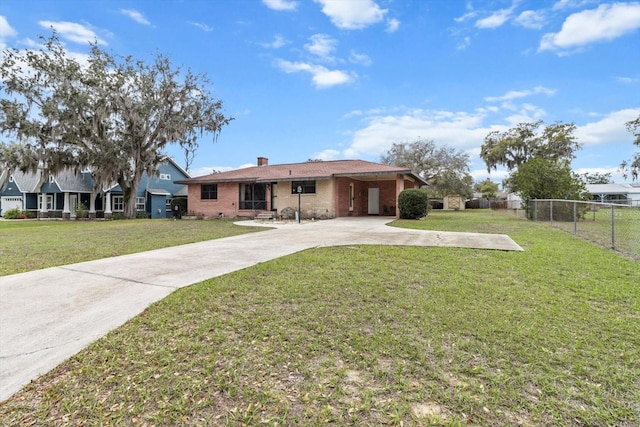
x: 614, y: 226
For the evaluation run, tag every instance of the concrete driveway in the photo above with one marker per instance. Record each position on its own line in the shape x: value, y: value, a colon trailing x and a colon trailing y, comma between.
x: 48, y: 315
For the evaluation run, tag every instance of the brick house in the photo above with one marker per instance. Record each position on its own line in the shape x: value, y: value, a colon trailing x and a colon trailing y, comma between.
x: 325, y: 189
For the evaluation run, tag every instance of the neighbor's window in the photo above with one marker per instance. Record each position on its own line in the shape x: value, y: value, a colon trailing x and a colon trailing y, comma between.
x: 139, y: 203
x: 308, y: 187
x: 253, y: 196
x: 209, y: 191
x: 118, y: 203
x: 165, y: 177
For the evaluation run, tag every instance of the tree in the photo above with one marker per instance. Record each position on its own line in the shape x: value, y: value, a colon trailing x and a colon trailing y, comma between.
x: 445, y: 169
x: 524, y: 142
x: 632, y: 167
x: 541, y: 178
x: 488, y: 188
x: 114, y: 114
x: 596, y: 178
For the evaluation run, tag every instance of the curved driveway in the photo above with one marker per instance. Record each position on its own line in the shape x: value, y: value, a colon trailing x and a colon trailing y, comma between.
x: 48, y: 315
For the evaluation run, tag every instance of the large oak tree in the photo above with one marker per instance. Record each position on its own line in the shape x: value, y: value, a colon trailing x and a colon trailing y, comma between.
x: 444, y: 168
x: 112, y: 114
x: 538, y: 160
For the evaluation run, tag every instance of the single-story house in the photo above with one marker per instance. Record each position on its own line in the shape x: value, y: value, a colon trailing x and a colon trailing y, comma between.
x: 59, y: 195
x: 615, y: 193
x: 323, y: 189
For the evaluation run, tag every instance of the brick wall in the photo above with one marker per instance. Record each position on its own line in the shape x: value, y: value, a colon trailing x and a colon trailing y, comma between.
x: 318, y: 205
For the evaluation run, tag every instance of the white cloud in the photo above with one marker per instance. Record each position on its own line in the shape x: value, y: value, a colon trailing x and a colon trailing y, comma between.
x: 352, y: 14
x: 74, y: 32
x: 328, y: 154
x: 605, y: 23
x: 533, y: 19
x: 203, y: 27
x: 610, y: 129
x: 571, y: 4
x: 322, y: 46
x: 286, y: 5
x: 392, y: 25
x: 277, y: 43
x: 628, y: 80
x: 5, y: 29
x: 321, y: 76
x: 360, y: 58
x: 136, y: 16
x: 497, y: 18
x: 470, y: 13
x: 515, y: 94
x: 464, y: 43
x: 461, y: 130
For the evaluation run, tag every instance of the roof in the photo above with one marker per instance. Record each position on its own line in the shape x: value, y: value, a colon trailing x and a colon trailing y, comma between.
x: 612, y: 189
x: 27, y: 182
x: 303, y: 171
x: 70, y: 182
x: 158, y: 192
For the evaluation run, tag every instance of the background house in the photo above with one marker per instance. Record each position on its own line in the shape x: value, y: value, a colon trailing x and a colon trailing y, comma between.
x: 323, y: 189
x: 59, y: 195
x: 615, y: 193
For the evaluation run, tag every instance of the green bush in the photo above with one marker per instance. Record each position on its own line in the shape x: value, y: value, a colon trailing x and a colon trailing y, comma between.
x: 12, y: 213
x: 82, y: 211
x: 413, y: 203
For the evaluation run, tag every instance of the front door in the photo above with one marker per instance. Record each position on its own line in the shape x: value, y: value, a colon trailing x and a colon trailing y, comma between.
x: 374, y: 201
x: 73, y: 204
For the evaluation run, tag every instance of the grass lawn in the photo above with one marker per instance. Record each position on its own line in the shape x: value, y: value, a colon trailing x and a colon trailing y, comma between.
x: 373, y: 335
x: 32, y: 245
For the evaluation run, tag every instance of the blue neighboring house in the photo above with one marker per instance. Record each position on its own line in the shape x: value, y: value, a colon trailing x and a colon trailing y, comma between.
x: 59, y: 195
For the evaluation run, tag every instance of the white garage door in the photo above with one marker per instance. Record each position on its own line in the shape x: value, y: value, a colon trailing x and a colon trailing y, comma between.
x: 8, y: 203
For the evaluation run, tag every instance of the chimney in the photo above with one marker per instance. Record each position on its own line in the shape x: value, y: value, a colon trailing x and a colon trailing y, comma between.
x: 263, y: 161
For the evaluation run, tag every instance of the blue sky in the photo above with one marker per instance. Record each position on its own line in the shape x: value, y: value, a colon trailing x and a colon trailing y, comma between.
x: 344, y: 79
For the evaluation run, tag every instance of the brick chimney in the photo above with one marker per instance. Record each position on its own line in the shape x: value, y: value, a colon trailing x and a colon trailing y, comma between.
x: 263, y: 161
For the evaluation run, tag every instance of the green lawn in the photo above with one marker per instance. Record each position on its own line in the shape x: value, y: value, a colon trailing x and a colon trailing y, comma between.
x: 373, y: 335
x: 32, y: 245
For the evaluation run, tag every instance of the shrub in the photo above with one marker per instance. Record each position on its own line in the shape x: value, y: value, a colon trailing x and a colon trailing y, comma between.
x: 413, y: 203
x: 181, y: 203
x: 12, y: 213
x: 82, y: 211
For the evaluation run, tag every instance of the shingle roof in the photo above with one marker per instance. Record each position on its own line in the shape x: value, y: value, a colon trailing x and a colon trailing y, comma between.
x: 302, y: 171
x: 69, y: 181
x: 26, y: 182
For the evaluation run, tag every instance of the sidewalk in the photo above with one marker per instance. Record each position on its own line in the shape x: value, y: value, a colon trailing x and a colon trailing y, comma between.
x: 48, y: 315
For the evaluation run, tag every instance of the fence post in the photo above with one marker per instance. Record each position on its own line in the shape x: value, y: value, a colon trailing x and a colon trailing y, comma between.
x: 535, y: 210
x: 575, y: 218
x: 551, y: 212
x: 613, y: 230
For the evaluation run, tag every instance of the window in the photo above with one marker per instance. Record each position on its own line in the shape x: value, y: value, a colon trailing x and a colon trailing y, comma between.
x: 11, y: 178
x: 49, y: 202
x: 308, y: 187
x: 165, y: 177
x: 253, y: 196
x: 118, y: 203
x: 208, y: 191
x: 139, y: 203
x: 167, y: 203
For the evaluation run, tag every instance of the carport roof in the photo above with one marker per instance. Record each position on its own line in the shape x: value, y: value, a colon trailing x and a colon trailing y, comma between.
x: 305, y: 171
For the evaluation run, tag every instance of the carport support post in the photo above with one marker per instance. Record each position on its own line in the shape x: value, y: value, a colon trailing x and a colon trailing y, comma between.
x: 299, y: 190
x: 399, y: 189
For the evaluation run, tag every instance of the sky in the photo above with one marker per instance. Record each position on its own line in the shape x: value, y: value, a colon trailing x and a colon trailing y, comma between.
x: 345, y: 79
